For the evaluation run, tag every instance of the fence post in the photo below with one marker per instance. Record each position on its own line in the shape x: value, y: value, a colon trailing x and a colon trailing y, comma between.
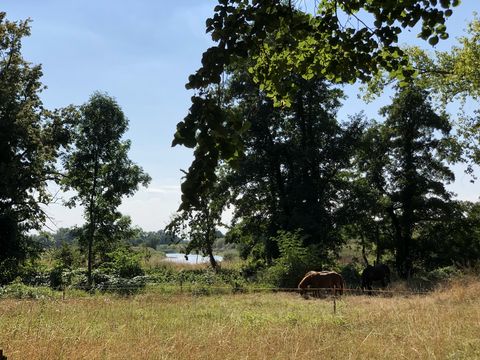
x: 63, y: 295
x: 334, y: 300
x: 1, y: 355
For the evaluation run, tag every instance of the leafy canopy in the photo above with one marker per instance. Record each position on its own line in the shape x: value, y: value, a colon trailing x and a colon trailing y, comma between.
x: 343, y: 41
x: 280, y: 40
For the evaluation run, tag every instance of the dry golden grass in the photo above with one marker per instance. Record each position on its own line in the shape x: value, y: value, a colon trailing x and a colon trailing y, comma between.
x: 442, y: 325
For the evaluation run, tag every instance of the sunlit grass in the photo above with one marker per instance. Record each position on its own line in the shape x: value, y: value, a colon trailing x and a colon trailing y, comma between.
x: 441, y: 325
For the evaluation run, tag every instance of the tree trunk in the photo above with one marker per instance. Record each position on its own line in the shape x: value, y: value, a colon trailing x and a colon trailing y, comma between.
x: 209, y: 240
x: 213, y: 262
x: 407, y: 198
x: 364, y: 254
x: 209, y: 249
x: 377, y: 241
x: 400, y: 245
x: 90, y: 252
x: 91, y: 234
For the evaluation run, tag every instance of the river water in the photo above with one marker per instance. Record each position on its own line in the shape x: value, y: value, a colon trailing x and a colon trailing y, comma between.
x: 192, y: 258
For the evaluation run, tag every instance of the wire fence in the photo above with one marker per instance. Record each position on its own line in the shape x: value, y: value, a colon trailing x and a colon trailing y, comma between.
x: 196, y: 289
x: 193, y: 289
x: 332, y: 294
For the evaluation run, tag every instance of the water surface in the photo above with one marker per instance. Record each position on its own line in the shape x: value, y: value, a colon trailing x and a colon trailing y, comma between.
x: 192, y: 258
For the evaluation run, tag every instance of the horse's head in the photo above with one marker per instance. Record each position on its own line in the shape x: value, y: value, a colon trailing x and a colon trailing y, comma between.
x: 305, y: 282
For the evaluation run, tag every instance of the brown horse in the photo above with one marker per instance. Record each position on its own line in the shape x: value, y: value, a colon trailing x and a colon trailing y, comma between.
x: 322, y: 280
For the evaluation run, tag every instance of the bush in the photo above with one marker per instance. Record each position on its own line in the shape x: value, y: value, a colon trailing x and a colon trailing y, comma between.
x: 8, y: 270
x: 67, y: 255
x: 428, y: 280
x: 123, y: 263
x: 56, y: 277
x: 162, y: 273
x: 34, y: 274
x: 294, y: 261
x: 123, y: 286
x: 21, y: 291
x: 251, y: 268
x: 197, y: 276
x: 230, y: 255
x: 351, y: 274
x: 443, y: 274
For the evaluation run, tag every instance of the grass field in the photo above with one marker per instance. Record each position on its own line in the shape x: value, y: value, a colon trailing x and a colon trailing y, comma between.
x: 442, y: 325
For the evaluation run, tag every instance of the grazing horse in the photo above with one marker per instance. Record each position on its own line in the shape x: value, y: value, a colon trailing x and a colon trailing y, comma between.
x: 322, y: 280
x: 380, y: 272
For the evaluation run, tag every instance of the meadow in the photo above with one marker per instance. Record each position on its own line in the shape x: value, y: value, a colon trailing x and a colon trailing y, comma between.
x: 445, y: 324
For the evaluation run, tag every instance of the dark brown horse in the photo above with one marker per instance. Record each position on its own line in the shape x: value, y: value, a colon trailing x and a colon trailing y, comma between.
x: 379, y: 273
x: 322, y: 280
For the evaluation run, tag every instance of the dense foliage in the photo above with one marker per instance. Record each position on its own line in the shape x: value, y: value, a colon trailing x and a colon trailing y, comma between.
x: 334, y: 43
x: 408, y: 170
x: 303, y: 186
x: 30, y: 140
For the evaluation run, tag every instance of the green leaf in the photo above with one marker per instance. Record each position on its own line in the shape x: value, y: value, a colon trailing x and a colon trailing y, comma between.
x: 433, y: 40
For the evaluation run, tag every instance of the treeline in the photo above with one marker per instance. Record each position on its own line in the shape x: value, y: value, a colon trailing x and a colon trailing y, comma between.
x: 138, y: 237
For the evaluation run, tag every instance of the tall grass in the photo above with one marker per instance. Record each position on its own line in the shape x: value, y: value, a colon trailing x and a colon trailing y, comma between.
x: 442, y: 325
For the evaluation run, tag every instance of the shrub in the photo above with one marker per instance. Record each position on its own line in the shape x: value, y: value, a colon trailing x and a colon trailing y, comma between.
x: 21, y: 291
x: 35, y: 274
x: 162, y: 273
x: 251, y: 268
x: 123, y: 263
x: 351, y: 274
x: 123, y: 286
x: 56, y: 277
x: 294, y: 261
x: 230, y: 255
x: 428, y: 280
x: 8, y: 270
x: 443, y: 274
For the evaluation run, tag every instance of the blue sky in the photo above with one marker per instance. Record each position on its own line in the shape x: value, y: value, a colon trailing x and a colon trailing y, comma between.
x: 141, y: 52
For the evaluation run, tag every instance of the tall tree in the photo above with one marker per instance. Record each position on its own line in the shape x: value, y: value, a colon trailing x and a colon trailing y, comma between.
x: 450, y: 75
x: 334, y: 43
x: 291, y: 176
x: 99, y: 170
x: 30, y: 140
x: 408, y: 169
